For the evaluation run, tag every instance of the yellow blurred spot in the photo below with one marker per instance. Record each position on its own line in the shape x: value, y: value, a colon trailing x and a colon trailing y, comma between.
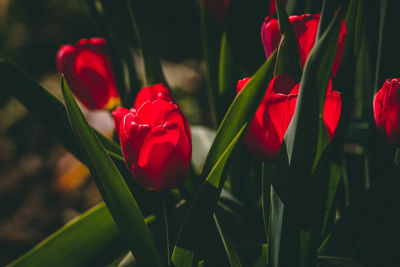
x: 74, y: 176
x: 112, y: 103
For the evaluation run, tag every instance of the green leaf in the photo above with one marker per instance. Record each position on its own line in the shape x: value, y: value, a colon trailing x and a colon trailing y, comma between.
x: 227, y: 67
x: 328, y: 8
x: 115, y: 192
x: 46, y: 108
x: 276, y: 219
x: 229, y: 247
x: 211, y: 33
x: 240, y: 112
x: 91, y: 238
x: 152, y: 65
x: 228, y: 75
x: 288, y: 58
x: 182, y: 257
x: 262, y: 260
x: 329, y: 261
x: 334, y: 177
x: 380, y: 41
x: 266, y: 181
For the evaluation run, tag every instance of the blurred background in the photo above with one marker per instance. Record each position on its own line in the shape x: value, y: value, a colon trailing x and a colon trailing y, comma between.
x: 42, y: 186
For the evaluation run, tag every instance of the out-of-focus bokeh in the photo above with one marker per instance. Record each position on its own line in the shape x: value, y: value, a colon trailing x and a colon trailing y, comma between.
x: 42, y: 186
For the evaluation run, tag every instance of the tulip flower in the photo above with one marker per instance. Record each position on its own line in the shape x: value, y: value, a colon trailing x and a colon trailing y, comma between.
x: 155, y: 139
x: 217, y: 8
x: 387, y: 110
x: 265, y: 134
x: 87, y: 70
x: 305, y: 29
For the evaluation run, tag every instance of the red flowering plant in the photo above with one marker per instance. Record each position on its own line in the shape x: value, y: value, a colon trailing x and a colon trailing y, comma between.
x: 280, y: 174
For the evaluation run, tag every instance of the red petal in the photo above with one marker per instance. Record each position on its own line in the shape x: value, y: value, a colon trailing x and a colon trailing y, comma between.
x: 387, y: 110
x: 265, y: 134
x: 240, y: 84
x: 155, y: 112
x: 340, y: 48
x: 332, y: 110
x: 270, y: 35
x: 118, y: 114
x: 162, y: 159
x: 305, y: 29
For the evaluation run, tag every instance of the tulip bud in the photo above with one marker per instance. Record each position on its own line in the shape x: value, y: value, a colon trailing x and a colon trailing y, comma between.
x: 155, y: 139
x: 305, y: 29
x: 87, y: 69
x: 387, y: 110
x: 267, y: 130
x: 217, y: 8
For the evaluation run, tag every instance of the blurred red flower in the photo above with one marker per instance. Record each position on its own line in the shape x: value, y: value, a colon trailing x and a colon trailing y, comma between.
x: 217, y: 8
x: 387, y: 110
x: 305, y: 29
x: 88, y: 72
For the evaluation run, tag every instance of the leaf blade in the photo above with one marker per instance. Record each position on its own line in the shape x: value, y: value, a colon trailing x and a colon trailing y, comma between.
x: 115, y: 192
x: 96, y: 232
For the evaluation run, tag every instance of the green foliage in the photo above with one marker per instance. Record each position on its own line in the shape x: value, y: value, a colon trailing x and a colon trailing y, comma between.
x: 111, y: 185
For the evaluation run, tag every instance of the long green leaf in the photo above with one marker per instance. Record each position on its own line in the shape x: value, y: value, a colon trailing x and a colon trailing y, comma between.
x: 89, y: 239
x: 380, y: 42
x: 211, y: 36
x: 46, y: 108
x: 152, y: 65
x: 229, y: 247
x: 115, y: 192
x: 334, y: 178
x: 241, y: 111
x: 288, y: 58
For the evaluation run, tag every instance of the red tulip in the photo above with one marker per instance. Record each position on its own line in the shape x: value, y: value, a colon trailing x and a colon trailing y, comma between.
x: 387, y: 110
x: 87, y: 69
x: 265, y: 134
x: 217, y: 8
x: 155, y: 140
x: 305, y: 29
